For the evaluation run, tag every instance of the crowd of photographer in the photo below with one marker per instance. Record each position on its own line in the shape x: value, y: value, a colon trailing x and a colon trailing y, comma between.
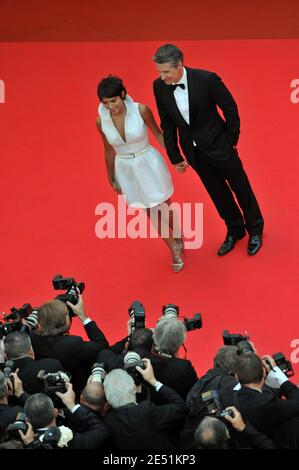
x: 59, y: 391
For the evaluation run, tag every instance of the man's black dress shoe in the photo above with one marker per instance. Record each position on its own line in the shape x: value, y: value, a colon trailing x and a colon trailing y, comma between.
x: 254, y: 244
x: 228, y: 244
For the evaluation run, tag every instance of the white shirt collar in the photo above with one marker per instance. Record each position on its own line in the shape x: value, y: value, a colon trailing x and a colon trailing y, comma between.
x: 183, y: 80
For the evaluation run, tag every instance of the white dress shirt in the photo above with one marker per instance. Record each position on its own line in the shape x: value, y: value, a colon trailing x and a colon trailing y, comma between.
x: 181, y: 97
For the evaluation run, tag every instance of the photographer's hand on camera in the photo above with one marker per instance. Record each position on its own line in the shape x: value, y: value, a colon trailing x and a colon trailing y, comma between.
x: 268, y: 362
x: 78, y: 309
x: 148, y: 372
x: 68, y: 398
x: 27, y: 438
x: 15, y: 384
x: 236, y: 420
x: 130, y: 326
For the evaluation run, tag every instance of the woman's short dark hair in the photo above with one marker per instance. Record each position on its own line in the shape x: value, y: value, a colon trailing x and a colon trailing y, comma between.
x: 111, y: 86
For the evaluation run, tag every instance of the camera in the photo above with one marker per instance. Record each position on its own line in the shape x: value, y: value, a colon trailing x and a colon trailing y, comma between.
x: 283, y: 364
x: 231, y: 339
x: 20, y: 424
x: 172, y: 311
x: 54, y: 381
x: 9, y: 368
x: 137, y: 314
x: 98, y: 372
x: 70, y: 285
x: 194, y: 323
x: 213, y: 405
x: 13, y: 321
x: 244, y: 347
x: 131, y: 360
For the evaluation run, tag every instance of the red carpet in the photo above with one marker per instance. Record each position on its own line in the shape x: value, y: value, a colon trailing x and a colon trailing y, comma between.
x: 53, y: 176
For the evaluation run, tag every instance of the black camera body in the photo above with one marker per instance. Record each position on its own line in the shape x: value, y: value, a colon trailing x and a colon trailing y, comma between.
x: 194, y: 323
x: 231, y: 339
x: 214, y: 406
x: 9, y: 368
x: 283, y: 364
x: 20, y: 424
x: 13, y: 321
x: 54, y: 381
x: 137, y: 314
x: 70, y: 285
x: 244, y: 347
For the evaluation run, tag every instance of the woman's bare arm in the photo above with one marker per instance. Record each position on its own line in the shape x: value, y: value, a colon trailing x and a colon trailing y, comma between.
x: 109, y: 155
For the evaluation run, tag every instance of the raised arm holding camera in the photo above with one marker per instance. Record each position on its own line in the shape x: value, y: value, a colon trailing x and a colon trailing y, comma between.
x: 142, y: 425
x: 52, y: 338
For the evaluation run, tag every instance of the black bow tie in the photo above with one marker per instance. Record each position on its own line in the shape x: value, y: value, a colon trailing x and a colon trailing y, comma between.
x: 178, y: 84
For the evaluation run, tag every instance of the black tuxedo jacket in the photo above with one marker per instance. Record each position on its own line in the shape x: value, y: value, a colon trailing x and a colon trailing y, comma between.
x: 94, y: 432
x: 29, y: 368
x: 277, y: 418
x: 147, y: 426
x: 178, y: 374
x: 213, y: 135
x: 75, y: 355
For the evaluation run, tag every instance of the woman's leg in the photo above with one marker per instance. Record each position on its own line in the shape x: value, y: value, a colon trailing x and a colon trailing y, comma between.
x: 163, y: 220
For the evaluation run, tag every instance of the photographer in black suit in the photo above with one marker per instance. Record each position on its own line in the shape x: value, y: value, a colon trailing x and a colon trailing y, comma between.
x: 276, y: 417
x: 10, y: 387
x: 179, y: 374
x: 161, y: 346
x: 52, y: 339
x: 42, y: 414
x: 18, y: 348
x: 212, y: 433
x: 141, y: 425
x: 221, y: 377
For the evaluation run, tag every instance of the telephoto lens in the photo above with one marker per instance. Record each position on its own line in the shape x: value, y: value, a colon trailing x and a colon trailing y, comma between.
x: 98, y: 372
x: 170, y: 311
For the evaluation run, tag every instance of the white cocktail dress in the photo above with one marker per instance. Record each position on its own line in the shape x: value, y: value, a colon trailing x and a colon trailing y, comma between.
x: 140, y: 170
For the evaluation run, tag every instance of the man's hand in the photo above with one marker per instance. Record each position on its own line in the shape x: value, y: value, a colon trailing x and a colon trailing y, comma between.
x: 147, y: 373
x: 268, y: 362
x: 130, y: 326
x: 29, y: 436
x: 236, y: 420
x: 182, y: 166
x: 68, y: 397
x: 78, y: 309
x: 16, y: 384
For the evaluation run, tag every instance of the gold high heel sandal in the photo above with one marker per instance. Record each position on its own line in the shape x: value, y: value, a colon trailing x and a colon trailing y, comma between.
x: 178, y: 263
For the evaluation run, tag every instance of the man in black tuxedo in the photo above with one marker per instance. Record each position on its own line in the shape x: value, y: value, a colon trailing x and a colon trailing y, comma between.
x: 178, y: 374
x: 52, y: 339
x: 18, y: 348
x: 276, y: 417
x: 142, y: 425
x: 187, y: 101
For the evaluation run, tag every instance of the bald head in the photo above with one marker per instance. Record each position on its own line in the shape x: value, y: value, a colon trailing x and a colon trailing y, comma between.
x: 93, y: 396
x: 211, y: 433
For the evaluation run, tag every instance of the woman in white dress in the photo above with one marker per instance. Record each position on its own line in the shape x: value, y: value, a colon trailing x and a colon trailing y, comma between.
x: 134, y: 167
